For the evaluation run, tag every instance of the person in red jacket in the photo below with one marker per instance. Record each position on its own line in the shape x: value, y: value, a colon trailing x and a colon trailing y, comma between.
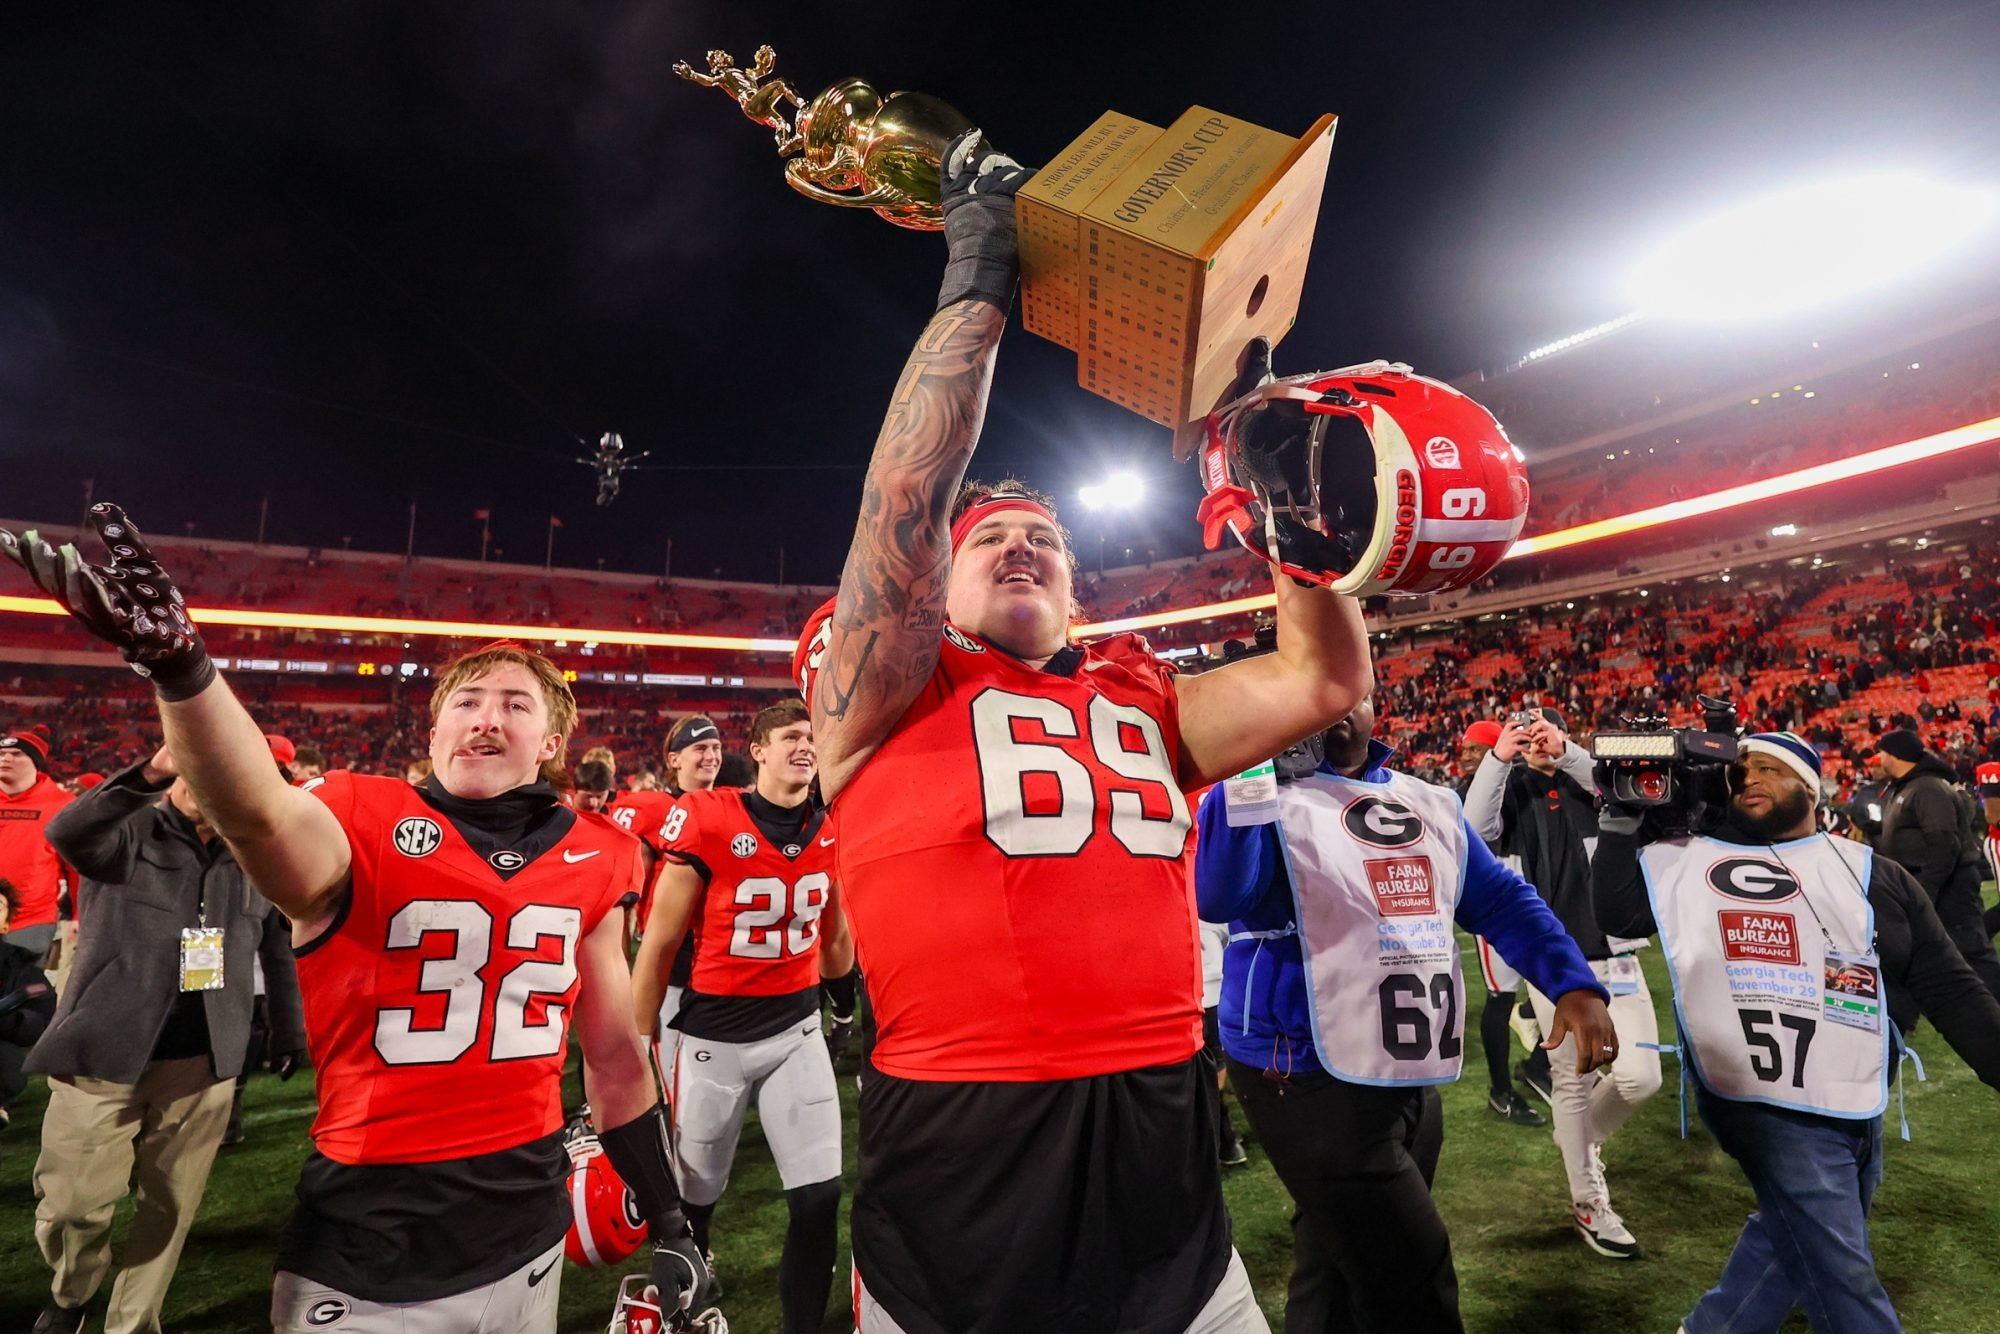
x: 28, y: 797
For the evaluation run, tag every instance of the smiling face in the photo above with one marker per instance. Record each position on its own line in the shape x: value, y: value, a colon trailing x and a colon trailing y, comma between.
x: 492, y: 732
x: 695, y: 767
x: 1011, y: 584
x: 785, y: 760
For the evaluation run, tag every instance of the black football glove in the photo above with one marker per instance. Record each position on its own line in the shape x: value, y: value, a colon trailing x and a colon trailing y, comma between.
x: 979, y: 183
x: 129, y: 603
x: 679, y: 1272
x: 839, y: 1036
x: 287, y: 1063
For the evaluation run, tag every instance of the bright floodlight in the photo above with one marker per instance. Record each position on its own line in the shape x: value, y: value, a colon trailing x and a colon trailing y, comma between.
x: 1803, y: 247
x: 1119, y: 491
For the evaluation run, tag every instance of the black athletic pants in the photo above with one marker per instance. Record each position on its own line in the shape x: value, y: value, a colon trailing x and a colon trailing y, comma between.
x: 1960, y: 910
x: 1370, y: 1253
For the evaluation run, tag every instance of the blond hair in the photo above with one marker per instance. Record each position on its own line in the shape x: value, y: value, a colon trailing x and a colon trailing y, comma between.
x: 556, y: 694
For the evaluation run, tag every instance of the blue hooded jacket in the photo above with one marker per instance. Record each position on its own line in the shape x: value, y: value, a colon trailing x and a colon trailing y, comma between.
x: 1266, y: 1011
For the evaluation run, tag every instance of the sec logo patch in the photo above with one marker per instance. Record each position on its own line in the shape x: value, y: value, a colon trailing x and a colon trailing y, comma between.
x: 418, y: 836
x: 743, y: 845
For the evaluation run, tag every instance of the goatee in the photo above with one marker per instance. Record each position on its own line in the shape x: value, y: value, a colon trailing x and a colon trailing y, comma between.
x: 1780, y: 822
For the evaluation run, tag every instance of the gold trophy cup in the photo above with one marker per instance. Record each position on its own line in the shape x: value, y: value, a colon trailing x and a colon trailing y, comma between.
x: 1155, y: 254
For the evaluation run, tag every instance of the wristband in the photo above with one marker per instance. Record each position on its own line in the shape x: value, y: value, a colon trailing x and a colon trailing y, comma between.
x: 638, y: 1149
x: 840, y: 995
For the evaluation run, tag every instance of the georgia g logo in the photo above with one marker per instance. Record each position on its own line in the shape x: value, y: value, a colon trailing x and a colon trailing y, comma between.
x: 1382, y: 823
x: 417, y: 836
x: 327, y: 1311
x: 1752, y: 880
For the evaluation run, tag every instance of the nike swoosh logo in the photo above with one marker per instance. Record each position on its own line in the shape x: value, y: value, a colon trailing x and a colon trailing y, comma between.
x: 1096, y: 666
x: 581, y: 856
x: 534, y: 1278
x: 826, y: 842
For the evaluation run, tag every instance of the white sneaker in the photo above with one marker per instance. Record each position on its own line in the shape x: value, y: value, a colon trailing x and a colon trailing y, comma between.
x: 1526, y: 1031
x: 1604, y: 1231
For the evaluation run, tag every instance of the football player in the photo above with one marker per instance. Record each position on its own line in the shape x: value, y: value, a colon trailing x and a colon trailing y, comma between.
x: 693, y: 751
x: 447, y: 935
x: 1037, y: 1133
x: 753, y: 867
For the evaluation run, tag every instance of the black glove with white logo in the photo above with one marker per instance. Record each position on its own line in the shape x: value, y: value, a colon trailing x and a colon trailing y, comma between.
x: 129, y: 603
x: 979, y: 183
x: 679, y: 1272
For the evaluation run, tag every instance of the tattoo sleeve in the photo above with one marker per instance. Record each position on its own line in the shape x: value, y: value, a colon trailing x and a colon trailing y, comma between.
x: 890, y: 610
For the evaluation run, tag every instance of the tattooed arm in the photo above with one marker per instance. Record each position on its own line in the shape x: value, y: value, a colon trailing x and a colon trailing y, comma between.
x: 884, y: 637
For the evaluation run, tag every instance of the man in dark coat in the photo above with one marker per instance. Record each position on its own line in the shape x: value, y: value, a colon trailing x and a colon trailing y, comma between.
x: 1923, y: 832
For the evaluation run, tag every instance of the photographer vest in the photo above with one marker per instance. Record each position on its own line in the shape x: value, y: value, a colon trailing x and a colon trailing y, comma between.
x: 1376, y: 872
x: 1777, y: 985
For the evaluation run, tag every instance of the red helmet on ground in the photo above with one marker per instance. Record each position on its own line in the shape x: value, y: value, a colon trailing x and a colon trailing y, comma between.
x: 605, y: 1227
x: 637, y: 1310
x: 1368, y: 480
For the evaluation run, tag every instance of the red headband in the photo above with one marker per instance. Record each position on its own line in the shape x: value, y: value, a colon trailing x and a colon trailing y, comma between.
x: 991, y: 506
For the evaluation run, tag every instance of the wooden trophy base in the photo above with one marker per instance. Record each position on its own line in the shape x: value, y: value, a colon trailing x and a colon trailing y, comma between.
x: 1157, y: 255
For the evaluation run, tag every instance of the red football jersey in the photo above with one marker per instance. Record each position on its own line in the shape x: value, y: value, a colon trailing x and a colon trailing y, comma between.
x: 25, y: 855
x: 438, y: 1005
x: 757, y: 926
x: 643, y: 815
x: 1015, y: 865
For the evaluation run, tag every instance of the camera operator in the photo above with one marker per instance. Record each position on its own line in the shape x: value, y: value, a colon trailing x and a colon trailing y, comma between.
x: 1546, y: 810
x: 1786, y: 945
x: 1502, y: 981
x: 1922, y: 832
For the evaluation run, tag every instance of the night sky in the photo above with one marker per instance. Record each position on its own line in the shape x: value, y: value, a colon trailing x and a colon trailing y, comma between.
x: 350, y: 256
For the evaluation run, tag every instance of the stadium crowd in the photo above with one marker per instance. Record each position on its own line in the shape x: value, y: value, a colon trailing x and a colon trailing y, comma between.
x: 1836, y: 653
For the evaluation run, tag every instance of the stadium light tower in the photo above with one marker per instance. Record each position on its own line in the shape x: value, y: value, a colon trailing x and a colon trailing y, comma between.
x: 1808, y: 246
x: 1115, y: 497
x: 1119, y: 491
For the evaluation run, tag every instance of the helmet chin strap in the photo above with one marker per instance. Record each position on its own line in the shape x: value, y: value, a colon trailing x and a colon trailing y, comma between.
x: 1248, y: 499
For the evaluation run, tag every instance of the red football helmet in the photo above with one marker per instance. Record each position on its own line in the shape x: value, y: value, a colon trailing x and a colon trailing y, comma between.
x: 1367, y: 480
x: 604, y: 1227
x: 638, y: 1311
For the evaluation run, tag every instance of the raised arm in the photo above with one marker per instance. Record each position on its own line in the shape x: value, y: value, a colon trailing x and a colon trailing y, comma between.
x: 675, y: 895
x: 287, y: 841
x: 1250, y: 710
x: 883, y: 638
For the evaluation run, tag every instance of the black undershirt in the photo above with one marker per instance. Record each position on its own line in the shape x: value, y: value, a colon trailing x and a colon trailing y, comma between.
x: 714, y: 1018
x: 411, y: 1232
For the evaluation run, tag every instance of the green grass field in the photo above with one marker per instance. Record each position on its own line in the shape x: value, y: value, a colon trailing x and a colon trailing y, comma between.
x: 1500, y: 1187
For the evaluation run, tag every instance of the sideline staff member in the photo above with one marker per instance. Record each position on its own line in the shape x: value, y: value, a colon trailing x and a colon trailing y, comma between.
x: 1342, y: 1006
x: 1546, y: 809
x: 1791, y: 952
